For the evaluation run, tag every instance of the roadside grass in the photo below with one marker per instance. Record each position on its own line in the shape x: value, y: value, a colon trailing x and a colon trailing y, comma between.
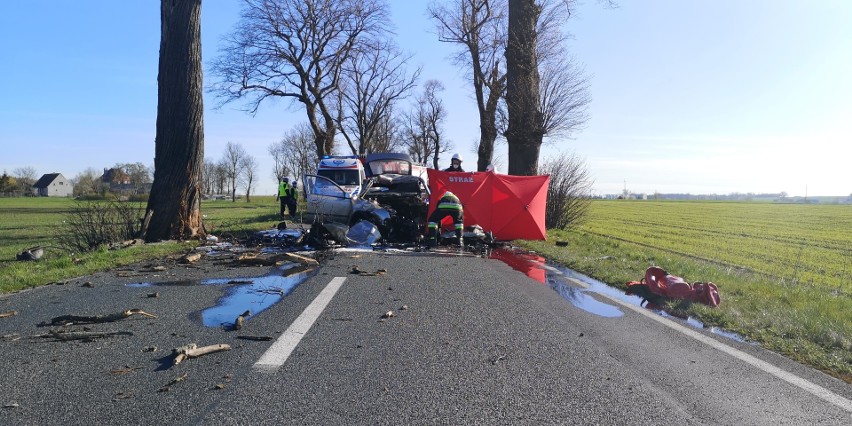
x: 808, y: 321
x: 35, y: 221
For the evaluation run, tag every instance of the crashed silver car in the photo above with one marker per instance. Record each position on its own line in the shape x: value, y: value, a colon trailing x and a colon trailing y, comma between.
x: 395, y: 203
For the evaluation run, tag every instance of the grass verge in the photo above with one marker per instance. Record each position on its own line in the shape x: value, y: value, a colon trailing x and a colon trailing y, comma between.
x: 805, y: 323
x: 29, y: 222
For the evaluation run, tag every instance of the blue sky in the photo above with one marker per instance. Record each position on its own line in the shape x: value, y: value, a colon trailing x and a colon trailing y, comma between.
x: 692, y: 96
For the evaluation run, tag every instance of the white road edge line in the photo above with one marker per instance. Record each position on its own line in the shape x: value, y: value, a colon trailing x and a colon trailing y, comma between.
x: 278, y: 353
x: 788, y: 377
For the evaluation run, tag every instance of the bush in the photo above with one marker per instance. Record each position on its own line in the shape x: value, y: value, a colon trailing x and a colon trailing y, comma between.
x: 568, y: 194
x: 93, y: 224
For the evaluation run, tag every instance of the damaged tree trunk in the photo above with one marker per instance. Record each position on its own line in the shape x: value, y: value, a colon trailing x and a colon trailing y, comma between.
x: 174, y: 205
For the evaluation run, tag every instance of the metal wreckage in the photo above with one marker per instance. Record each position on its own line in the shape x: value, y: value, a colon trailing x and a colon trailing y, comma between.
x: 380, y: 199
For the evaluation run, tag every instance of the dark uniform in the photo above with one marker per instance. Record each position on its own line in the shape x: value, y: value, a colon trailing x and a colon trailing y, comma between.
x: 448, y: 205
x: 287, y: 196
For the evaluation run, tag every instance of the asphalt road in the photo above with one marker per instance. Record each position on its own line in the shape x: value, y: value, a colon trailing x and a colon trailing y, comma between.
x: 477, y: 343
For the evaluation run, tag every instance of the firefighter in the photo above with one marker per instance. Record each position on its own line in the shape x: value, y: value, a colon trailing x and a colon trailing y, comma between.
x: 448, y: 205
x: 455, y: 164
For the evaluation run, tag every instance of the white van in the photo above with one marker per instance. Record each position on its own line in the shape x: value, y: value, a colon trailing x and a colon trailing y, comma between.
x: 345, y: 171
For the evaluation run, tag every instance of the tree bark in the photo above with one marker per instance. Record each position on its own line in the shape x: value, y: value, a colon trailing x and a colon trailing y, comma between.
x: 525, y: 132
x: 175, y: 198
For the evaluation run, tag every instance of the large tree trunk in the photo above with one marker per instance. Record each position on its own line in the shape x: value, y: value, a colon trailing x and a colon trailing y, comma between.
x: 174, y: 205
x: 526, y: 124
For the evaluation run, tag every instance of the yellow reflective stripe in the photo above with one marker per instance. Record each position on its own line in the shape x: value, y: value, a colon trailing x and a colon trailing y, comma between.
x: 449, y: 206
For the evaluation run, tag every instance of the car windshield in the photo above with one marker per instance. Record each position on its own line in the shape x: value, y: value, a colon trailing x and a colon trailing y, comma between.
x: 341, y: 177
x: 398, y: 167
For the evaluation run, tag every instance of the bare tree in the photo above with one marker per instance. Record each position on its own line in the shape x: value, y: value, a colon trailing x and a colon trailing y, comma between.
x: 299, y: 156
x: 279, y: 161
x: 296, y: 49
x: 375, y: 80
x: 26, y: 177
x: 424, y: 126
x: 568, y: 196
x: 139, y: 175
x: 87, y: 182
x: 479, y: 28
x: 387, y: 136
x: 248, y: 165
x: 174, y: 206
x: 232, y: 161
x: 564, y: 96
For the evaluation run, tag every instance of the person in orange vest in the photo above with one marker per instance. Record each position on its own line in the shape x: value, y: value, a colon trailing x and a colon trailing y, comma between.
x: 448, y: 205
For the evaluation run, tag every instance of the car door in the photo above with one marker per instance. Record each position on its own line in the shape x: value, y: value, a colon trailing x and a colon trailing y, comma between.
x: 326, y: 200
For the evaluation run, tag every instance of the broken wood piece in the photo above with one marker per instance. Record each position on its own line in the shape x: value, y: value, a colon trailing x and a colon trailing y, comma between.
x: 96, y: 319
x: 193, y: 351
x: 358, y: 271
x: 255, y: 338
x: 191, y: 258
x: 304, y: 260
x: 8, y: 314
x: 83, y: 335
x: 241, y: 320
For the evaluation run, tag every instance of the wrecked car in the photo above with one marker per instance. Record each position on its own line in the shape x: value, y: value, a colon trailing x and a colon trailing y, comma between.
x: 392, y: 199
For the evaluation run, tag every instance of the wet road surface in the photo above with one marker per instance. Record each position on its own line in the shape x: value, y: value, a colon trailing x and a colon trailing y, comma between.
x: 471, y: 341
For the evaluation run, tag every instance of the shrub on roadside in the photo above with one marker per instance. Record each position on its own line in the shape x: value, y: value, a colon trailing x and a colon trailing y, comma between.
x: 93, y: 224
x: 569, y: 191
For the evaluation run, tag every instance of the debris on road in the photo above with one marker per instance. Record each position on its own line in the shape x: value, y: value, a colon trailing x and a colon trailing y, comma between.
x: 255, y: 338
x: 124, y: 370
x: 388, y: 314
x: 193, y: 351
x: 240, y: 321
x: 174, y: 381
x: 96, y: 319
x: 8, y: 314
x: 191, y: 258
x: 357, y: 271
x: 87, y: 336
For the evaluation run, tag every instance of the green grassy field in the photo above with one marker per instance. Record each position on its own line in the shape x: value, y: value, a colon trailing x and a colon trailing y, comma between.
x: 784, y: 271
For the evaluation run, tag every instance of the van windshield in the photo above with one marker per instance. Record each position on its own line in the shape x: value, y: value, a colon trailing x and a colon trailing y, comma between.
x: 341, y: 177
x: 398, y: 167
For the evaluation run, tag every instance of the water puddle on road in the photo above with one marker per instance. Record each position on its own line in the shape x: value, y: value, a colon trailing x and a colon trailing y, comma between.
x: 575, y: 288
x: 253, y: 294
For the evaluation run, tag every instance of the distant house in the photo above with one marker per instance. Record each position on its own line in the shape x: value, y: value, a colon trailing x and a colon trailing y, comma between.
x: 53, y: 185
x: 117, y: 181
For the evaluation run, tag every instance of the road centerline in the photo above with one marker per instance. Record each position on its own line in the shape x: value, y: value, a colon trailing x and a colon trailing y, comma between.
x: 277, y: 354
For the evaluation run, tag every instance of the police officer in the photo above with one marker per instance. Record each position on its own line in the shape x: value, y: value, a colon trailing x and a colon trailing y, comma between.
x: 448, y: 205
x: 283, y: 194
x: 455, y: 164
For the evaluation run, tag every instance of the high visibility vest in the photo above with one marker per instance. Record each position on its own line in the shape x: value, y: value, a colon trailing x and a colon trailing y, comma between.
x: 283, y: 190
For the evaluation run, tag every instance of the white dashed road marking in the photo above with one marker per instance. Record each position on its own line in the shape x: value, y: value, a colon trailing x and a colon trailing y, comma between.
x: 278, y: 353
